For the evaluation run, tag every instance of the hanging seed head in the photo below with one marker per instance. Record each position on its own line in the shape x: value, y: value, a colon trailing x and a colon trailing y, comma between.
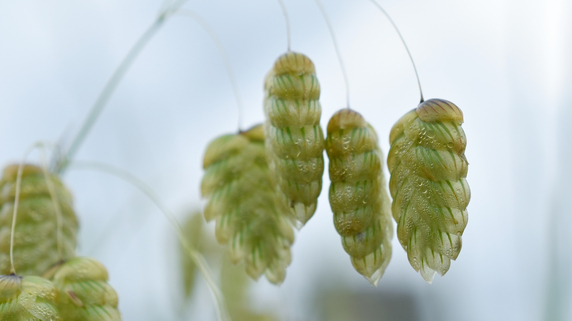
x: 428, y: 185
x: 84, y: 294
x: 35, y: 236
x: 249, y: 215
x: 28, y: 298
x: 358, y: 195
x: 295, y: 141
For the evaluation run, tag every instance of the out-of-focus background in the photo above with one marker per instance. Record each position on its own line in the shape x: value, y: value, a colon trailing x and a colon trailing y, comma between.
x: 506, y: 64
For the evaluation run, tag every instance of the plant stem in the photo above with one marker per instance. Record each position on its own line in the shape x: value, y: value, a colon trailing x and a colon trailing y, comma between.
x: 337, y: 48
x: 111, y: 85
x: 195, y: 255
x: 404, y: 44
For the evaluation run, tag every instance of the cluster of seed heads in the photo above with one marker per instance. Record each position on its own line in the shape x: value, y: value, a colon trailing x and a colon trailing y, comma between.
x: 51, y: 284
x: 247, y: 187
x: 261, y: 185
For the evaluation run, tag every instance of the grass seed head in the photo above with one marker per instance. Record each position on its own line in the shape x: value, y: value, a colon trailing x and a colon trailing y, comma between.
x: 294, y: 138
x: 358, y: 195
x: 428, y: 185
x: 35, y: 238
x: 27, y: 298
x: 84, y: 294
x: 242, y: 198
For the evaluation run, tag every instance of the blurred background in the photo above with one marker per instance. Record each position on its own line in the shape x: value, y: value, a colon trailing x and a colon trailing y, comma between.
x: 505, y: 63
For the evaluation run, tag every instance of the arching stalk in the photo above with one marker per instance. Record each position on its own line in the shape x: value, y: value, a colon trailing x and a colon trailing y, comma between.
x: 287, y: 19
x: 336, y: 47
x: 200, y: 20
x: 197, y: 257
x: 404, y: 44
x: 111, y: 85
x: 17, y: 201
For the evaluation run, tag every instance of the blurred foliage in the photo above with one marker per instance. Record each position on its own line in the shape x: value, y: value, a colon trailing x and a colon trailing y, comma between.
x: 193, y: 229
x: 234, y: 282
x: 342, y: 303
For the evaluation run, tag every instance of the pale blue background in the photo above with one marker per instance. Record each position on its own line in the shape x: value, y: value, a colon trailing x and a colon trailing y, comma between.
x: 505, y: 63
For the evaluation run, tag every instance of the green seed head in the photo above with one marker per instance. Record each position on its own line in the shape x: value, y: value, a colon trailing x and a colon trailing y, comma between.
x: 35, y: 236
x: 84, y: 294
x: 358, y: 195
x: 295, y: 141
x: 250, y: 216
x: 428, y: 185
x: 27, y: 299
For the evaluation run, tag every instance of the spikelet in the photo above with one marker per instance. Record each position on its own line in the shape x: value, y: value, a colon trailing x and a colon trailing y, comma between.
x: 295, y: 141
x: 243, y: 200
x: 35, y: 238
x: 358, y: 195
x: 29, y: 298
x: 84, y: 294
x: 430, y: 193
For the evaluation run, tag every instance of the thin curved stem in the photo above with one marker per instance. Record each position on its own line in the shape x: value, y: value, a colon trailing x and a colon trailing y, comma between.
x: 112, y: 83
x: 200, y: 20
x: 287, y: 19
x: 404, y: 44
x: 196, y: 256
x: 342, y: 66
x: 17, y: 201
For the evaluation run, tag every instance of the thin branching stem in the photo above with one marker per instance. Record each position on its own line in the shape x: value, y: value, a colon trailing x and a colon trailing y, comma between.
x: 195, y: 255
x: 404, y: 44
x: 113, y: 82
x: 200, y: 20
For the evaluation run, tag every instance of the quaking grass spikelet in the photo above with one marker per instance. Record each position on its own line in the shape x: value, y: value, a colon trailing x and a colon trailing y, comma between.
x: 358, y: 195
x: 242, y: 198
x: 84, y: 294
x: 35, y: 239
x: 430, y: 193
x: 29, y: 298
x: 295, y: 141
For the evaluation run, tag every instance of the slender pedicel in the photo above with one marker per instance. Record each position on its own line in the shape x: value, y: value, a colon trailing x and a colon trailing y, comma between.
x: 404, y: 44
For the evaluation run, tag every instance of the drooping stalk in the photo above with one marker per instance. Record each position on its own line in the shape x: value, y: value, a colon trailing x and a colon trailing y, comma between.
x: 200, y: 20
x: 16, y: 203
x: 112, y: 84
x: 287, y: 20
x: 197, y: 257
x: 337, y: 48
x: 404, y: 44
